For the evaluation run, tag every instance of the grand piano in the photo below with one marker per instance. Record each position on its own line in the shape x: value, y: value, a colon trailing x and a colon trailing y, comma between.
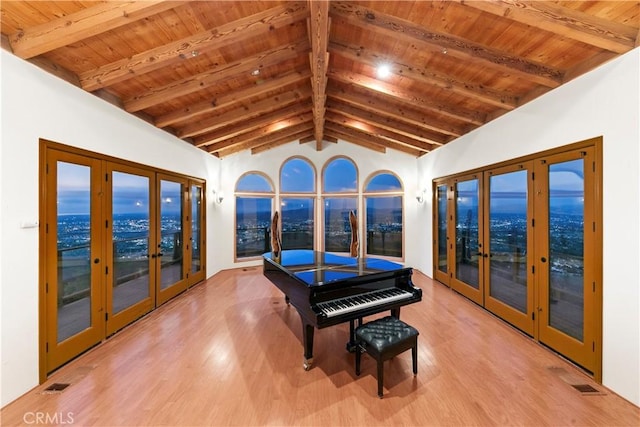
x: 328, y: 289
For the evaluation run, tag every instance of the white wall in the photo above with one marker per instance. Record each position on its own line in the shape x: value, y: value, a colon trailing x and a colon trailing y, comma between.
x: 367, y: 162
x: 37, y: 105
x: 605, y: 102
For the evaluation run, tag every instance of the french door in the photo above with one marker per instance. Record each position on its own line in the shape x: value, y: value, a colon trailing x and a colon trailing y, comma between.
x: 524, y: 241
x: 74, y: 271
x: 117, y: 240
x: 130, y: 242
x: 567, y: 279
x: 466, y: 270
x: 509, y: 245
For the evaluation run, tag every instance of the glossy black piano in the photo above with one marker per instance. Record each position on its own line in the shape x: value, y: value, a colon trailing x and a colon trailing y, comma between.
x: 328, y: 289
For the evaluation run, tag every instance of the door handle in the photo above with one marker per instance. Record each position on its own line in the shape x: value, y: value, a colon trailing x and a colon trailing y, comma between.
x: 543, y: 259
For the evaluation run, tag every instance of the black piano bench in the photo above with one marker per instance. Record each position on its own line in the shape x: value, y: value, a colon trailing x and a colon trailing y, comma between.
x: 383, y: 339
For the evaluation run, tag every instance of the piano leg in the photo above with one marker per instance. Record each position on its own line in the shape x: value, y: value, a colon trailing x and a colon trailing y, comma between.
x: 307, y: 338
x: 352, y: 344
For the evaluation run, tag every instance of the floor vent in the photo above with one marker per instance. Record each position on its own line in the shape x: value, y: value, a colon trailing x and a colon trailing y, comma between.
x: 575, y: 381
x: 585, y: 388
x: 56, y: 388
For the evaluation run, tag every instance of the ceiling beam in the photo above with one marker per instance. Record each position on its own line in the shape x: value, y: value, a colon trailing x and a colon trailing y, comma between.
x: 319, y: 38
x: 246, y: 124
x: 366, y: 140
x: 262, y: 132
x: 402, y: 128
x: 276, y: 142
x: 180, y: 50
x: 229, y: 98
x: 414, y: 98
x: 77, y: 26
x: 289, y: 132
x: 393, y: 110
x: 463, y: 49
x: 563, y: 21
x: 215, y: 75
x: 355, y: 139
x: 428, y: 76
x: 243, y: 112
x: 372, y: 129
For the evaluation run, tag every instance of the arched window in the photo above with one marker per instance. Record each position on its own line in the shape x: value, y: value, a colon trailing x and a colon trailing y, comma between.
x: 254, y: 200
x: 297, y: 203
x: 384, y: 217
x: 340, y: 196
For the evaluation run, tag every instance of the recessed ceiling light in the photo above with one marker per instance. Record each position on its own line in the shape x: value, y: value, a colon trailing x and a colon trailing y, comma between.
x: 255, y: 72
x: 383, y: 71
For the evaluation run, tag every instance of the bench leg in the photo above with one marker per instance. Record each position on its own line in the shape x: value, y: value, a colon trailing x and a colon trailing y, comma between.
x: 380, y: 372
x: 414, y: 356
x: 358, y: 355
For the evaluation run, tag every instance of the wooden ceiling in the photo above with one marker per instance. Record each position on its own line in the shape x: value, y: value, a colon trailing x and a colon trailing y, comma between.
x: 228, y: 76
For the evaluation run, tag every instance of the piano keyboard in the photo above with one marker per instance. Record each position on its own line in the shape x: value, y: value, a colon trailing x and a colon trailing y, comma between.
x: 358, y: 302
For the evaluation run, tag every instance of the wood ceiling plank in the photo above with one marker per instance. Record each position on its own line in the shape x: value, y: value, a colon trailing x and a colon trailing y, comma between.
x: 262, y: 132
x: 214, y: 75
x: 393, y: 110
x: 246, y: 124
x: 83, y: 24
x: 562, y: 21
x: 319, y: 38
x: 367, y: 138
x: 243, y: 112
x: 168, y: 54
x: 396, y: 126
x: 448, y: 44
x: 281, y: 141
x: 226, y: 99
x: 355, y: 139
x: 372, y: 129
x: 291, y: 133
x: 426, y: 75
x: 416, y: 99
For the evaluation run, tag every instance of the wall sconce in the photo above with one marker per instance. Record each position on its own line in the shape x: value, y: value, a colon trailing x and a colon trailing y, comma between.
x: 420, y: 195
x: 218, y: 196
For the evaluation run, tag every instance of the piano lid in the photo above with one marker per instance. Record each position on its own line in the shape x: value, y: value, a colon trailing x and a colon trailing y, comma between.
x: 317, y: 268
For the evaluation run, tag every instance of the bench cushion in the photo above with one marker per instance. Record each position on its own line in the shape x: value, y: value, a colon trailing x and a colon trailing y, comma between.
x: 385, y: 332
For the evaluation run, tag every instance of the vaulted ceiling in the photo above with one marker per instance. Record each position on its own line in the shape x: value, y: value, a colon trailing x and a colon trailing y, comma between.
x: 228, y: 76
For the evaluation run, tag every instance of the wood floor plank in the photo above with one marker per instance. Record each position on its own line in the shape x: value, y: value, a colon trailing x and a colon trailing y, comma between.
x: 228, y: 352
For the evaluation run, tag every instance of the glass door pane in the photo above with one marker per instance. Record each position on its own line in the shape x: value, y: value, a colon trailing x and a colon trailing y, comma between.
x: 467, y: 263
x: 442, y: 241
x: 508, y: 239
x: 131, y: 288
x: 74, y: 249
x: 566, y: 247
x: 467, y: 269
x: 170, y: 259
x: 196, y: 201
x: 509, y: 288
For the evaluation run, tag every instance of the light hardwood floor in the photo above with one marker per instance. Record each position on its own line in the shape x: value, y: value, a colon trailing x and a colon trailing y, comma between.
x: 228, y: 353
